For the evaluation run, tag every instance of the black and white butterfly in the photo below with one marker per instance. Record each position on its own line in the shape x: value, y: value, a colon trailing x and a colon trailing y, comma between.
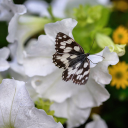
x: 70, y: 56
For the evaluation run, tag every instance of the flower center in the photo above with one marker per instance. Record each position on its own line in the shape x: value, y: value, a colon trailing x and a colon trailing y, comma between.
x: 119, y: 75
x: 120, y: 36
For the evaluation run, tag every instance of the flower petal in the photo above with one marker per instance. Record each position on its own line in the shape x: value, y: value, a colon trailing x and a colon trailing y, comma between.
x: 40, y: 66
x: 70, y: 111
x: 96, y: 58
x: 4, y: 65
x: 66, y: 26
x: 4, y: 53
x: 17, y: 109
x: 40, y: 47
x: 100, y: 72
x: 90, y: 95
x: 97, y: 123
x: 37, y: 7
x: 52, y: 87
x: 8, y: 9
x: 58, y: 8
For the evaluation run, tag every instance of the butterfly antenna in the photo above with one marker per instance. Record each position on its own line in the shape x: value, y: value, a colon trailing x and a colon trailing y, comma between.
x: 91, y: 48
x: 92, y: 45
x: 101, y: 56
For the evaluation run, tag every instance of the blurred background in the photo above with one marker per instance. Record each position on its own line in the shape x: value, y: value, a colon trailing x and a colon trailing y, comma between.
x: 115, y: 110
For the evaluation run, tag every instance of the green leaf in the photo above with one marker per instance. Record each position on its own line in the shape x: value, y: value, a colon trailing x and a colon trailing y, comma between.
x: 103, y: 20
x: 45, y: 105
x: 60, y: 119
x: 94, y: 13
x: 106, y: 31
x: 103, y: 40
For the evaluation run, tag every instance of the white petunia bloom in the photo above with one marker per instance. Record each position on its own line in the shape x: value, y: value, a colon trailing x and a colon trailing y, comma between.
x: 40, y: 7
x: 22, y: 28
x: 4, y: 54
x: 8, y: 9
x: 60, y: 8
x: 97, y: 122
x: 69, y: 99
x: 18, y: 110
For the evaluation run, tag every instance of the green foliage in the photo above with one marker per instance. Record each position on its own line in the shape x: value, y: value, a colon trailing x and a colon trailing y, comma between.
x: 115, y: 110
x: 50, y: 12
x: 88, y: 14
x: 61, y: 120
x: 3, y: 34
x: 91, y: 20
x: 103, y: 40
x: 45, y: 105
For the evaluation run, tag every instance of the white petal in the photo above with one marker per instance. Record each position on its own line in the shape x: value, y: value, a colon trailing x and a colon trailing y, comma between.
x: 17, y: 109
x: 100, y: 72
x: 53, y: 87
x: 69, y: 110
x: 8, y: 9
x: 39, y: 55
x: 77, y: 116
x: 20, y: 31
x: 59, y: 8
x: 4, y: 53
x: 65, y: 26
x: 4, y: 65
x: 104, y: 2
x: 61, y: 109
x: 37, y: 7
x: 17, y: 67
x: 12, y: 29
x: 90, y: 95
x: 97, y: 123
x: 40, y: 66
x: 40, y: 47
x: 95, y: 59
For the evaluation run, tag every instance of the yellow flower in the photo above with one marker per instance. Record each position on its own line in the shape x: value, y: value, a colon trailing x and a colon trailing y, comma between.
x: 120, y: 35
x: 119, y: 74
x: 121, y: 5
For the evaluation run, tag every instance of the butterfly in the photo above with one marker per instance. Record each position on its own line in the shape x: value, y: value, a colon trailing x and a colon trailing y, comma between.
x: 71, y: 57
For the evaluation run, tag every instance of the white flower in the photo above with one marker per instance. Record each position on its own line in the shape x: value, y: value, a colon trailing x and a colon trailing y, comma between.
x: 8, y: 9
x: 100, y: 72
x: 39, y: 54
x: 75, y: 115
x: 22, y: 28
x: 40, y: 7
x: 4, y: 53
x: 69, y: 99
x: 18, y: 110
x: 97, y: 122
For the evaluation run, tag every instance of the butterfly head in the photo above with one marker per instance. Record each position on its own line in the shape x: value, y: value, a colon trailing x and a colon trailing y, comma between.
x: 87, y: 54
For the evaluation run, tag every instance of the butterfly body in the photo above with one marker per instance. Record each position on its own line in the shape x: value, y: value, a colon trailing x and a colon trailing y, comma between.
x: 70, y: 56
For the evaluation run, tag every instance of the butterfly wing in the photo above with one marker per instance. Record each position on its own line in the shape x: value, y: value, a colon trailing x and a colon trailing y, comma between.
x: 69, y: 55
x: 78, y: 73
x: 65, y: 44
x: 66, y: 50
